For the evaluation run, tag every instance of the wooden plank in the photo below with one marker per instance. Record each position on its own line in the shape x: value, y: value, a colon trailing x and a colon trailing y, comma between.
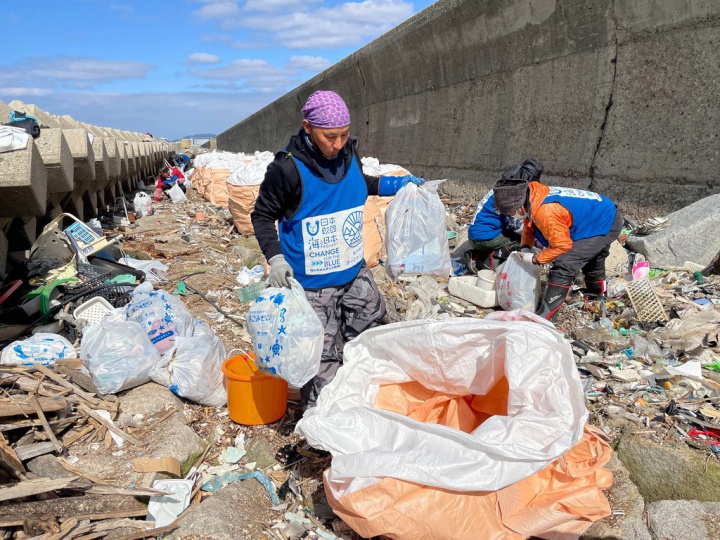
x: 50, y: 374
x: 34, y: 487
x: 79, y: 435
x: 147, y: 534
x: 34, y: 450
x: 78, y: 378
x: 9, y: 456
x: 112, y: 427
x: 17, y: 405
x: 46, y: 425
x: 59, y: 424
x: 90, y: 507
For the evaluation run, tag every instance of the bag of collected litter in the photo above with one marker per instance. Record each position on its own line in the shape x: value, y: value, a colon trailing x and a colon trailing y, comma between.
x: 163, y: 316
x: 41, y: 347
x: 416, y: 237
x: 176, y: 194
x: 287, y: 334
x: 192, y: 369
x: 518, y: 284
x: 460, y: 429
x: 118, y: 354
x: 143, y: 204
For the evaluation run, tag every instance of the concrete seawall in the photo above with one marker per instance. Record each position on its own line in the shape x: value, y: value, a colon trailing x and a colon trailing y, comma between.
x: 619, y: 96
x: 72, y: 167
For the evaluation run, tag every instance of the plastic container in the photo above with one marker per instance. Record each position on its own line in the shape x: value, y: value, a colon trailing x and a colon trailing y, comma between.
x: 94, y: 310
x: 486, y: 280
x: 254, y: 398
x: 250, y: 292
x: 464, y: 287
x: 452, y: 238
x: 641, y: 270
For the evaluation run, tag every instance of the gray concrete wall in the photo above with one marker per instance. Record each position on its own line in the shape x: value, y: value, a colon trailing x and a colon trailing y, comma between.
x: 620, y: 96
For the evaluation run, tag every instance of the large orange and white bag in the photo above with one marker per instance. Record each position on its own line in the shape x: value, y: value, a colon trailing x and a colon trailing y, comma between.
x: 460, y: 429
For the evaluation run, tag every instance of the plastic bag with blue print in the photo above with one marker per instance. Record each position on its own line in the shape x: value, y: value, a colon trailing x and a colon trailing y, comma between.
x: 287, y: 334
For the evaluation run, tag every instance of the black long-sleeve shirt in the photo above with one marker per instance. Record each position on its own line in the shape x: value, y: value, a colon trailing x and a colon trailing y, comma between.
x: 281, y: 190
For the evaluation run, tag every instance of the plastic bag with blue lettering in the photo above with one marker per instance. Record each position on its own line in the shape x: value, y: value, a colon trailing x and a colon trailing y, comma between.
x: 287, y: 334
x: 416, y: 234
x: 163, y: 316
x: 43, y: 348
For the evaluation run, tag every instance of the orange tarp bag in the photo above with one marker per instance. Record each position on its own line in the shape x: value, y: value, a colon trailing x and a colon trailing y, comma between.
x: 241, y: 204
x: 217, y: 192
x: 461, y: 429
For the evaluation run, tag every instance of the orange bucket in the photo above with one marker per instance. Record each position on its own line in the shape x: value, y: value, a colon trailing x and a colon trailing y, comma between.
x: 254, y: 398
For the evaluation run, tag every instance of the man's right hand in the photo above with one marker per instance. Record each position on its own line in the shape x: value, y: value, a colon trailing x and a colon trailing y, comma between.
x: 280, y: 271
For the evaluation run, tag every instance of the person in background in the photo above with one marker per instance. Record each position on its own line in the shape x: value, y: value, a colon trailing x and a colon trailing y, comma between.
x: 315, y: 190
x: 492, y: 236
x: 167, y: 178
x: 575, y: 227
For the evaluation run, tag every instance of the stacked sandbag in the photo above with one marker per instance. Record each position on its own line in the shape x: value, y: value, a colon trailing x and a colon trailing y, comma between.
x: 243, y: 187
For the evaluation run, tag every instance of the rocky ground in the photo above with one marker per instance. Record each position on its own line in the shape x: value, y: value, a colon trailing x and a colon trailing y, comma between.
x: 665, y: 479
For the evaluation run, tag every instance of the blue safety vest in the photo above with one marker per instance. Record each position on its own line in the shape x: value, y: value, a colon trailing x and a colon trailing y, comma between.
x: 592, y: 214
x: 323, y: 241
x: 486, y: 224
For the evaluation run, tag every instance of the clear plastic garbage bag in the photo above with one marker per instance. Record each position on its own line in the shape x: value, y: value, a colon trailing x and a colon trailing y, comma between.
x: 518, y: 284
x: 118, y: 354
x: 416, y: 235
x: 142, y: 204
x: 42, y: 347
x: 176, y: 194
x: 193, y: 369
x: 287, y: 334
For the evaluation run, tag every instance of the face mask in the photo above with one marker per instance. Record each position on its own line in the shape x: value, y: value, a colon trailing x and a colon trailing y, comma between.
x: 517, y: 216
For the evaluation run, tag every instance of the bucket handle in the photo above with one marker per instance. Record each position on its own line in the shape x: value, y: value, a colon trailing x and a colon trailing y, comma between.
x: 244, y: 355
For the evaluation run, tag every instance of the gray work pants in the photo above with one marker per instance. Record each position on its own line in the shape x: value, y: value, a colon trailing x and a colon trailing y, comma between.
x: 345, y: 312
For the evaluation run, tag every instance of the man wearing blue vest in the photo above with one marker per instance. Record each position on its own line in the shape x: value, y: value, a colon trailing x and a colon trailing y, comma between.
x: 492, y: 236
x: 315, y: 190
x: 576, y: 227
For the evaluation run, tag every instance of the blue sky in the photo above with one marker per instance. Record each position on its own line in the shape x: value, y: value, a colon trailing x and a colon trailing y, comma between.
x: 178, y: 67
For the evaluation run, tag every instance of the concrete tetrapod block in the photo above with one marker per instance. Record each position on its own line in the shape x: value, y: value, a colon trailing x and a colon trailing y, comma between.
x: 122, y: 158
x: 132, y: 158
x: 114, y: 157
x: 23, y: 182
x: 82, y: 153
x: 692, y: 235
x: 102, y: 163
x: 58, y: 159
x: 4, y: 112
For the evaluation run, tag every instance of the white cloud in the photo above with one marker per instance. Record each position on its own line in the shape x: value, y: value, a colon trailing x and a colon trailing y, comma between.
x: 271, y: 5
x: 303, y: 26
x: 217, y: 10
x: 203, y: 112
x: 24, y: 91
x: 309, y: 63
x: 73, y: 68
x: 241, y: 69
x: 203, y: 58
x: 122, y: 8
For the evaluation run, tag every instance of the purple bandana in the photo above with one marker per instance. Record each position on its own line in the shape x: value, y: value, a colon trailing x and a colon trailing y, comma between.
x: 326, y: 110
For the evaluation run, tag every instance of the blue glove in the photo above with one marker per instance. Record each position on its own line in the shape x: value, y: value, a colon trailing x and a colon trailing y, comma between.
x: 390, y: 185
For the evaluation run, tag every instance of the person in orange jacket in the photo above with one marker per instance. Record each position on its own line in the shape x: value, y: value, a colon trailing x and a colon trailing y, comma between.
x: 575, y: 227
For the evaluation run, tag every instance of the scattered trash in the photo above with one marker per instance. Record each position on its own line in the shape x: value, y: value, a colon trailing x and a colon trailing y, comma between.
x: 165, y: 509
x: 228, y: 478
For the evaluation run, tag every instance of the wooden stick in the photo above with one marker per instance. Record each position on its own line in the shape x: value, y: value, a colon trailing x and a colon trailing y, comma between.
x: 146, y: 534
x: 79, y: 435
x: 34, y: 487
x: 46, y: 426
x: 95, y: 416
x: 159, y: 421
x: 62, y: 382
x: 94, y: 479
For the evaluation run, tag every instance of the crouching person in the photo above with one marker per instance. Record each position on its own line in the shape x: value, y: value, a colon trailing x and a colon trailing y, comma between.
x: 492, y: 236
x: 167, y: 178
x: 576, y: 228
